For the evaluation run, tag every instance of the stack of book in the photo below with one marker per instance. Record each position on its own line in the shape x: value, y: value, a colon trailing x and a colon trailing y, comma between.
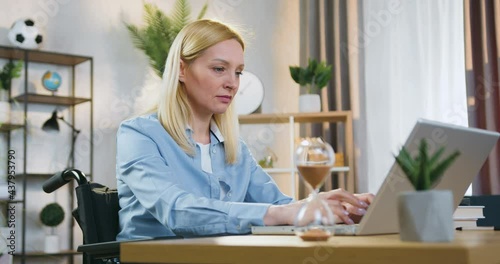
x: 467, y: 215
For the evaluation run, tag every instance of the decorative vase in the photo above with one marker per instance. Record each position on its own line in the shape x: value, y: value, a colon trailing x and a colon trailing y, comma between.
x: 426, y: 216
x: 309, y: 103
x: 51, y: 244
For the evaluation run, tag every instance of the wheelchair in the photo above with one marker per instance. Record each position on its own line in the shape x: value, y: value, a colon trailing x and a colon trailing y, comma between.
x: 96, y: 214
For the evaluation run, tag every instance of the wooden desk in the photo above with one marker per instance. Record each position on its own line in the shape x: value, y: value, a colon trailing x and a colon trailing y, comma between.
x: 469, y: 247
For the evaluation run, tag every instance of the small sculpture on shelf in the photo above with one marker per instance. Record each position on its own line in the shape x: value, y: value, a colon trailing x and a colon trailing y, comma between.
x: 269, y: 160
x: 52, y: 215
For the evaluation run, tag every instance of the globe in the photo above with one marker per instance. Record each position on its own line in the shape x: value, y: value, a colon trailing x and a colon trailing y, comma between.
x: 51, y: 81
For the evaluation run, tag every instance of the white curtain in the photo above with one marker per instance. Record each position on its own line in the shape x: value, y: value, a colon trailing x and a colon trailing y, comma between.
x: 414, y: 67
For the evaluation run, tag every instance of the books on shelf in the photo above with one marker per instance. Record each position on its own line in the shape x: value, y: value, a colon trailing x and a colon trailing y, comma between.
x: 472, y: 222
x: 469, y: 211
x: 467, y: 216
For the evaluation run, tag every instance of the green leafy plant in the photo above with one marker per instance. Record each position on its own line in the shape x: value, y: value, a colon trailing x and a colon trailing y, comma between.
x: 314, y: 76
x: 10, y: 71
x: 424, y: 170
x: 156, y: 37
x: 52, y: 215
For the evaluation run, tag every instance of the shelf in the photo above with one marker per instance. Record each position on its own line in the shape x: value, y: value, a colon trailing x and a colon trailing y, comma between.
x: 291, y: 120
x: 340, y: 169
x: 35, y: 175
x: 50, y: 99
x: 41, y: 175
x: 338, y: 116
x: 33, y: 59
x: 288, y: 170
x: 11, y: 201
x: 41, y: 56
x: 37, y: 254
x: 277, y: 170
x: 5, y: 127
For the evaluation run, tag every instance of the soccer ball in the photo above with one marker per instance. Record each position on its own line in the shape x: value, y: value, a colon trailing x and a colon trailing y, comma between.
x: 24, y: 34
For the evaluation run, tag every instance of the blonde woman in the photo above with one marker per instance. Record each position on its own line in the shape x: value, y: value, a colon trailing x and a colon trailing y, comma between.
x: 182, y: 169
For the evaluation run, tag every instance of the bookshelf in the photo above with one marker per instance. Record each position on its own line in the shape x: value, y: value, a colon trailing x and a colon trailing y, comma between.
x: 68, y: 101
x: 345, y: 173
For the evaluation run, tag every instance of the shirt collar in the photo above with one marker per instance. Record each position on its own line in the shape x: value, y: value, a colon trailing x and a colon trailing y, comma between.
x: 214, y: 130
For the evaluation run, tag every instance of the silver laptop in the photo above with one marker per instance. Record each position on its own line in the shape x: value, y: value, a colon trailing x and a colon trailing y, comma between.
x: 381, y: 217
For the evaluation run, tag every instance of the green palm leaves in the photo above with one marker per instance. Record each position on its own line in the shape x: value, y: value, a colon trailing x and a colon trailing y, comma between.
x: 315, y: 76
x: 424, y: 170
x: 156, y: 37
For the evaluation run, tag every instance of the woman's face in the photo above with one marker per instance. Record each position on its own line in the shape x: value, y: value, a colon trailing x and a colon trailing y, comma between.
x: 212, y: 80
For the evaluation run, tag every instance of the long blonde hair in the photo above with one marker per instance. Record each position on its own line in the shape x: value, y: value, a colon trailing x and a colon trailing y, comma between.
x: 173, y: 107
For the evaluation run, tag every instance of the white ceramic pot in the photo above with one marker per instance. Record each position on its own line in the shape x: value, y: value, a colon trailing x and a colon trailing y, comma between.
x: 309, y: 103
x: 51, y: 244
x: 426, y: 216
x: 4, y: 112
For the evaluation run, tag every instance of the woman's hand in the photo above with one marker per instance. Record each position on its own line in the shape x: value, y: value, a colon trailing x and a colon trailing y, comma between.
x: 356, y: 213
x: 347, y: 207
x: 343, y: 204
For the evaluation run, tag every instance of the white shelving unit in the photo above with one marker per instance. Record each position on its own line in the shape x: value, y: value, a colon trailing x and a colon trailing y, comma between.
x: 344, y: 117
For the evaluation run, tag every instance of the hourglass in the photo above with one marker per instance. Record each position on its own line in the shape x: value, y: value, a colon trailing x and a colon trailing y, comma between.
x: 314, y: 159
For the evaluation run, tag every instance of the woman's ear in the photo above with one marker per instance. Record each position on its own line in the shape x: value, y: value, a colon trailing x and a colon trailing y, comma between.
x: 182, y: 70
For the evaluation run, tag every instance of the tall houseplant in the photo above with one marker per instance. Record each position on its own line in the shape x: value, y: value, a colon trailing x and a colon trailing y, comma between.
x: 52, y: 215
x: 156, y: 37
x: 9, y: 71
x: 313, y: 77
x: 425, y: 215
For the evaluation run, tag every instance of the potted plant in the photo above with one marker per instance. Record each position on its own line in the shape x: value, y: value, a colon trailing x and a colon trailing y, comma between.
x: 52, y: 215
x: 425, y: 215
x: 156, y: 37
x: 313, y: 77
x: 10, y: 71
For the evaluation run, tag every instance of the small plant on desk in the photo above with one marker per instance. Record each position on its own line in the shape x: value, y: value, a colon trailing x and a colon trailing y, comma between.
x: 416, y: 210
x: 424, y: 171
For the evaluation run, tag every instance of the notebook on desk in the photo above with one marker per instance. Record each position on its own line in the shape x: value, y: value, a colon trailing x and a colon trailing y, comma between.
x: 381, y: 217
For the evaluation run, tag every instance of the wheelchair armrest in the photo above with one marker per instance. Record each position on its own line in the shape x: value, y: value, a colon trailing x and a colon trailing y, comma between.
x: 101, y: 250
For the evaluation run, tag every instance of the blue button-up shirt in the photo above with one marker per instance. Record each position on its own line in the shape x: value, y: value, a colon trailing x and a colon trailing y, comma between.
x: 164, y: 192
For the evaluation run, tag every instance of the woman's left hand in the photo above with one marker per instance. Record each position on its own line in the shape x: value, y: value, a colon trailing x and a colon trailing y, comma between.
x: 354, y: 205
x: 345, y: 205
x: 356, y: 213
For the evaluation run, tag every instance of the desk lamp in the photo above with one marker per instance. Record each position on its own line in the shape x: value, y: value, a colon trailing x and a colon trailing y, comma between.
x: 53, y: 125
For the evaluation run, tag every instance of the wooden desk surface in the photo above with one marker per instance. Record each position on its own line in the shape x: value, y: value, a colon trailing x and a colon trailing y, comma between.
x: 468, y: 247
